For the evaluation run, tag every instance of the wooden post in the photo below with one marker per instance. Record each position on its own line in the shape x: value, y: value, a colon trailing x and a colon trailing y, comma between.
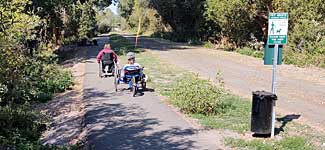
x: 138, y: 32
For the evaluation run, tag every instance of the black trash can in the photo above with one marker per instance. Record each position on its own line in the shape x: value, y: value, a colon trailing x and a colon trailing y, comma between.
x: 261, y: 121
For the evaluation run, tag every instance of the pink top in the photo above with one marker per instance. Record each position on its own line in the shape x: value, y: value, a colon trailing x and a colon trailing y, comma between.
x: 106, y: 50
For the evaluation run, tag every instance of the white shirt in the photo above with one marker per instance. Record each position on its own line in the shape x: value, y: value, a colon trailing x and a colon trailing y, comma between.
x: 132, y: 66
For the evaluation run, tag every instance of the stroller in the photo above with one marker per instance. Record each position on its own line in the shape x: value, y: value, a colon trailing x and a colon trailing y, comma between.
x: 107, y: 65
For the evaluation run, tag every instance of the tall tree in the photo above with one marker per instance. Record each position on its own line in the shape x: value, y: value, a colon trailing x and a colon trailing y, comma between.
x: 88, y: 23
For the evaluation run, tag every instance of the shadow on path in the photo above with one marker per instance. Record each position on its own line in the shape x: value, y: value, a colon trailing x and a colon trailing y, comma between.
x: 113, y: 125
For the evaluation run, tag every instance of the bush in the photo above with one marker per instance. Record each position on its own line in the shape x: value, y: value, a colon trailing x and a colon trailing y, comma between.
x: 19, y: 126
x: 53, y: 80
x: 250, y: 52
x: 208, y: 45
x: 197, y: 96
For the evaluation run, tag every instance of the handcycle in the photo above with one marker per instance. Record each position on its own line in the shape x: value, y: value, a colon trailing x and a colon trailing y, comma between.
x: 136, y: 79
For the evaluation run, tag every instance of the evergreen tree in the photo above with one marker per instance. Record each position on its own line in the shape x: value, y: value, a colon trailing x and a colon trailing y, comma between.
x: 88, y: 23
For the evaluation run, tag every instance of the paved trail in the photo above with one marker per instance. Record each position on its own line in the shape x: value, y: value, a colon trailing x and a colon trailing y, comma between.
x: 300, y: 91
x: 119, y: 121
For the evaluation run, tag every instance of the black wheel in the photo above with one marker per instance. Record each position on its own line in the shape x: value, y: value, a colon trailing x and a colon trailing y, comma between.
x: 99, y: 70
x: 116, y: 77
x: 144, y: 85
x: 134, y: 89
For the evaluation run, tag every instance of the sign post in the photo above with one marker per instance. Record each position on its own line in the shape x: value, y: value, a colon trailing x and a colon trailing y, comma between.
x: 277, y: 35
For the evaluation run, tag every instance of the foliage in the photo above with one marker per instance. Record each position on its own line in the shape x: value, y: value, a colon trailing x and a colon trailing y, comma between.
x: 208, y: 45
x: 106, y: 20
x: 19, y: 126
x: 194, y: 95
x: 245, y: 21
x: 250, y: 52
x: 306, y: 33
x: 184, y: 17
x: 37, y: 77
x: 29, y: 71
x: 88, y: 24
x: 125, y: 8
x: 139, y: 10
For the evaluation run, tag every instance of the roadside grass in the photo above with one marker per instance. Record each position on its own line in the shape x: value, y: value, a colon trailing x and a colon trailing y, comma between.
x: 121, y: 45
x: 217, y: 108
x: 250, y: 52
x: 236, y: 119
x: 287, y: 143
x: 208, y: 45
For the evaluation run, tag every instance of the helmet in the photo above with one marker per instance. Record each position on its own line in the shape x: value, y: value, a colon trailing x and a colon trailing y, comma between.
x: 130, y: 55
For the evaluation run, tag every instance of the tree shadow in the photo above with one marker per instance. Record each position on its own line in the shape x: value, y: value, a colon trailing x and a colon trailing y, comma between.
x: 114, y: 125
x: 65, y: 119
x: 285, y: 120
x: 149, y: 43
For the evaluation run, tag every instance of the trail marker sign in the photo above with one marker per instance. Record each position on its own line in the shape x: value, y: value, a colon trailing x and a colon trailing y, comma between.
x: 278, y: 28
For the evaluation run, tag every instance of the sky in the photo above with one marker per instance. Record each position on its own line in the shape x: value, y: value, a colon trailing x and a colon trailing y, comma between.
x: 113, y: 8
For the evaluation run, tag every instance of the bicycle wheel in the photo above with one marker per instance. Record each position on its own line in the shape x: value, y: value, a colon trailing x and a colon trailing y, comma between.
x: 100, y: 70
x: 116, y: 77
x: 134, y: 87
x: 144, y: 85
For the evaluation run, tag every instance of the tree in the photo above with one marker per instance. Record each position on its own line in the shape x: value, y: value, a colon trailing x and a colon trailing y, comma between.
x: 88, y: 24
x: 186, y: 18
x: 125, y: 8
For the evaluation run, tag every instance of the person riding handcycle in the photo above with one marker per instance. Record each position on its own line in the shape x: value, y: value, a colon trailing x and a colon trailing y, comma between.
x: 132, y: 69
x: 107, y: 57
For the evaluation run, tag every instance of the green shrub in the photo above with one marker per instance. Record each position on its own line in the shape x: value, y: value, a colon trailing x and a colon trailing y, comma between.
x: 245, y: 51
x: 250, y: 52
x: 70, y: 40
x: 53, y: 80
x: 19, y: 125
x: 258, y: 54
x: 208, y: 45
x: 197, y: 96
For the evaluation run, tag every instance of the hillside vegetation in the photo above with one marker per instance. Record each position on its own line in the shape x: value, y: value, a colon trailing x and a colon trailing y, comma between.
x: 31, y: 34
x: 233, y: 24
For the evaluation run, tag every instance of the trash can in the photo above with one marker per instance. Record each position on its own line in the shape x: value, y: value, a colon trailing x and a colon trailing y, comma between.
x: 262, y: 106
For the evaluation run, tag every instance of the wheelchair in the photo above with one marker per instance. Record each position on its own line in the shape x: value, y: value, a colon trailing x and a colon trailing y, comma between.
x: 107, y: 66
x: 136, y: 80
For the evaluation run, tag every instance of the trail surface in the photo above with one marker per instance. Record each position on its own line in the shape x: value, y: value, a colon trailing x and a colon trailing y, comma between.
x: 300, y: 91
x: 118, y: 121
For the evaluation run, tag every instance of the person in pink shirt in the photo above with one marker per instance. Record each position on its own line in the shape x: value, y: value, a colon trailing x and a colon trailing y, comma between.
x: 107, y: 56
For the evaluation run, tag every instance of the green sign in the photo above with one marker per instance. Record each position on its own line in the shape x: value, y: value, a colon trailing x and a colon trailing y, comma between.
x: 278, y: 28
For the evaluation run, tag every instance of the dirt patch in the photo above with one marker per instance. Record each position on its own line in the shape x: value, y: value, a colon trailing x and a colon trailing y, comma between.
x: 66, y: 110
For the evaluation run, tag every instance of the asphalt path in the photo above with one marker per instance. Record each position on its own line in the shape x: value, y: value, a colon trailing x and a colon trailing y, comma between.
x: 118, y: 121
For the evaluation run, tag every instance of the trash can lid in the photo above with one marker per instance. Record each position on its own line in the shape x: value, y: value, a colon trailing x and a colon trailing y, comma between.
x: 265, y: 94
